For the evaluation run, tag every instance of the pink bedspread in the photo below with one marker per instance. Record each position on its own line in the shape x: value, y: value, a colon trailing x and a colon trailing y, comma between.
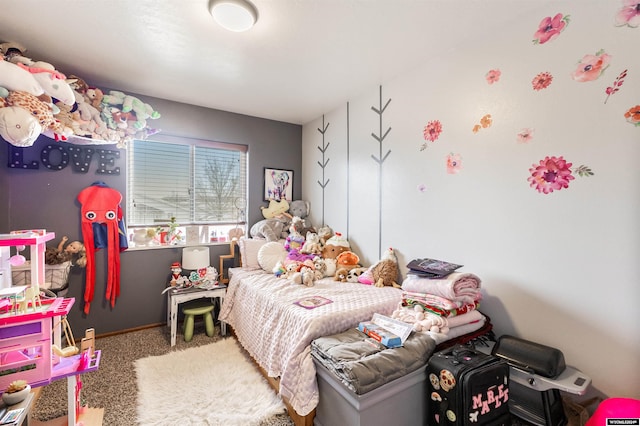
x: 277, y: 333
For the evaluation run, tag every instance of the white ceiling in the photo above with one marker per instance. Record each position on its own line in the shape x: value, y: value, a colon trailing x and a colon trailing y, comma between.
x: 301, y: 60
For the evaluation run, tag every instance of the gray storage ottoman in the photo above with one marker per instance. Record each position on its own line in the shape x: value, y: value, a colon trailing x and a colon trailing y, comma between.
x: 362, y: 383
x: 402, y: 402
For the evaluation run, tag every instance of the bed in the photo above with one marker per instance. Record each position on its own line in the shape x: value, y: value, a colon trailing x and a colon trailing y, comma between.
x: 276, y: 321
x: 277, y: 332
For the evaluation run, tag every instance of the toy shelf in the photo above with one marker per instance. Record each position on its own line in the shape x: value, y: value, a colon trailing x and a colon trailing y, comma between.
x: 37, y: 246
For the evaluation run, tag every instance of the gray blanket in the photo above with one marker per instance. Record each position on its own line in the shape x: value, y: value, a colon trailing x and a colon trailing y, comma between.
x: 363, y: 364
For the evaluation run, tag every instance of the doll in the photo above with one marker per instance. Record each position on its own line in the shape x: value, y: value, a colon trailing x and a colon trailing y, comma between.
x: 73, y: 251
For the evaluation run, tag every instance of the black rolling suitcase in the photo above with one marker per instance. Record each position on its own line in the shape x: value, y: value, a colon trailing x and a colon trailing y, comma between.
x: 467, y: 387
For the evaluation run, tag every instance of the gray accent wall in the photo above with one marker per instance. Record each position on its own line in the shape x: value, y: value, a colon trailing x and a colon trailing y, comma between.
x: 43, y: 198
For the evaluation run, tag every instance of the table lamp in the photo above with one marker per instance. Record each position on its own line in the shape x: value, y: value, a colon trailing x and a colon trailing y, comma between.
x: 194, y: 258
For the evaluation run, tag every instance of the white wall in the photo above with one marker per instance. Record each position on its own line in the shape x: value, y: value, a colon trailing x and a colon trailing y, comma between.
x: 561, y: 269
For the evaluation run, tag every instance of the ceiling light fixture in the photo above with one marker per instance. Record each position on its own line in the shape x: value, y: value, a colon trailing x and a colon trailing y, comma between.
x: 234, y: 15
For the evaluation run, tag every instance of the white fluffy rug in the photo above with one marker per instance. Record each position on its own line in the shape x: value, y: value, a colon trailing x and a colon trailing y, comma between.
x: 209, y: 385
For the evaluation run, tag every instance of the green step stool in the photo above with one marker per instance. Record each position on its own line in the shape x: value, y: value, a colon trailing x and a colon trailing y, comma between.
x: 200, y: 308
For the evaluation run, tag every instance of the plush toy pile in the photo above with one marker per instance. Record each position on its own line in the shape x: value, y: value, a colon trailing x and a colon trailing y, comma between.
x: 309, y: 254
x: 36, y: 99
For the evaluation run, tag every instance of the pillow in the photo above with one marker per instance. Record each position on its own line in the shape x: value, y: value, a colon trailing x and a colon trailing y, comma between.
x: 249, y: 251
x: 270, y: 254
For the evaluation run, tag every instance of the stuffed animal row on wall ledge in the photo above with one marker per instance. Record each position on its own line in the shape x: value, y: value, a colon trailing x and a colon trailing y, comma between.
x: 36, y: 99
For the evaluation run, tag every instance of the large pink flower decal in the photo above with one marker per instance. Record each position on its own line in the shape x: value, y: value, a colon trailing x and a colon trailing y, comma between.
x: 550, y: 28
x: 591, y: 67
x: 629, y: 14
x: 550, y: 174
x: 432, y: 130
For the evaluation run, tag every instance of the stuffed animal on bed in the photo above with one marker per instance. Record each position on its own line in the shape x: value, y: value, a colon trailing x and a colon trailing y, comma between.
x: 294, y: 240
x: 341, y: 275
x: 311, y: 244
x: 334, y: 246
x: 305, y: 276
x: 348, y: 260
x: 319, y: 267
x: 354, y: 274
x: 301, y: 209
x: 386, y: 271
x: 272, y: 229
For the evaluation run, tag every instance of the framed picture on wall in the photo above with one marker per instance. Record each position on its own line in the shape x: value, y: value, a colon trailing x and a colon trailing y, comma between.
x: 278, y: 184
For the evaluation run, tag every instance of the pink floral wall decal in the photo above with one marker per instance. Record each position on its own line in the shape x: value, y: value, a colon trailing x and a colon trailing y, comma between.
x: 629, y: 14
x: 616, y: 85
x: 633, y: 115
x: 542, y: 81
x: 485, y: 121
x: 550, y: 28
x: 525, y: 135
x: 591, y: 66
x: 431, y: 132
x: 550, y: 174
x: 493, y: 76
x: 454, y: 163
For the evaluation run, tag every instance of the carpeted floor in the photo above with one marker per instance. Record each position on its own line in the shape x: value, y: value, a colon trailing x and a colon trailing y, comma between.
x: 113, y: 385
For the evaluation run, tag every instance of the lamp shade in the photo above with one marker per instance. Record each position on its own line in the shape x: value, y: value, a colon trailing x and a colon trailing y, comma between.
x: 234, y: 15
x: 195, y: 258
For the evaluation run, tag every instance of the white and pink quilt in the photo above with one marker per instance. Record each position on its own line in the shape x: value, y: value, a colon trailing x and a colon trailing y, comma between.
x: 278, y: 333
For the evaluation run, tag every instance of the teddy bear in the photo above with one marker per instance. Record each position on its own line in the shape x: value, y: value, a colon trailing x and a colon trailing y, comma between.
x: 305, y: 276
x: 319, y: 267
x: 341, y: 275
x: 70, y: 118
x: 272, y: 229
x: 94, y: 97
x: 312, y: 244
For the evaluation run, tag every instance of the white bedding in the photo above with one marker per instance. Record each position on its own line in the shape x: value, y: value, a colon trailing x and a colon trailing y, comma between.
x: 277, y: 333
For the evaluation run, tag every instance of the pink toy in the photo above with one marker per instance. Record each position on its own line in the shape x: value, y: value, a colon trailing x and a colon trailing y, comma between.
x: 615, y: 408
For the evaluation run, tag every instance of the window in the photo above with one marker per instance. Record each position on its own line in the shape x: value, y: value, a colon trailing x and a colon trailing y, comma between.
x: 180, y: 188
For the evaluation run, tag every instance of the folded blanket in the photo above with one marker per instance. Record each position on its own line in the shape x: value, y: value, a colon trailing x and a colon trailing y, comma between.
x: 457, y: 286
x: 431, y: 300
x: 458, y: 331
x: 363, y: 365
x: 426, y: 321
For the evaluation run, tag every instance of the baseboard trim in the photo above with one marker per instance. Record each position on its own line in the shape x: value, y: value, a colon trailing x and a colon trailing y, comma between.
x: 129, y: 330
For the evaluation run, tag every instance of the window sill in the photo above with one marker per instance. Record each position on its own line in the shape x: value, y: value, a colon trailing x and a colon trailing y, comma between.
x: 168, y: 246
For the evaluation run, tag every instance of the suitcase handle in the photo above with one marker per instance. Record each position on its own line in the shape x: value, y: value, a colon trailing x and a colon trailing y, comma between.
x: 460, y: 351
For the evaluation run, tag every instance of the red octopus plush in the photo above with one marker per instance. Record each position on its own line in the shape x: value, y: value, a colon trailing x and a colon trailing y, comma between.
x: 102, y: 227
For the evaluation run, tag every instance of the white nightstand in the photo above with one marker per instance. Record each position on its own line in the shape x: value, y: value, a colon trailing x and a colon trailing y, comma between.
x: 177, y: 296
